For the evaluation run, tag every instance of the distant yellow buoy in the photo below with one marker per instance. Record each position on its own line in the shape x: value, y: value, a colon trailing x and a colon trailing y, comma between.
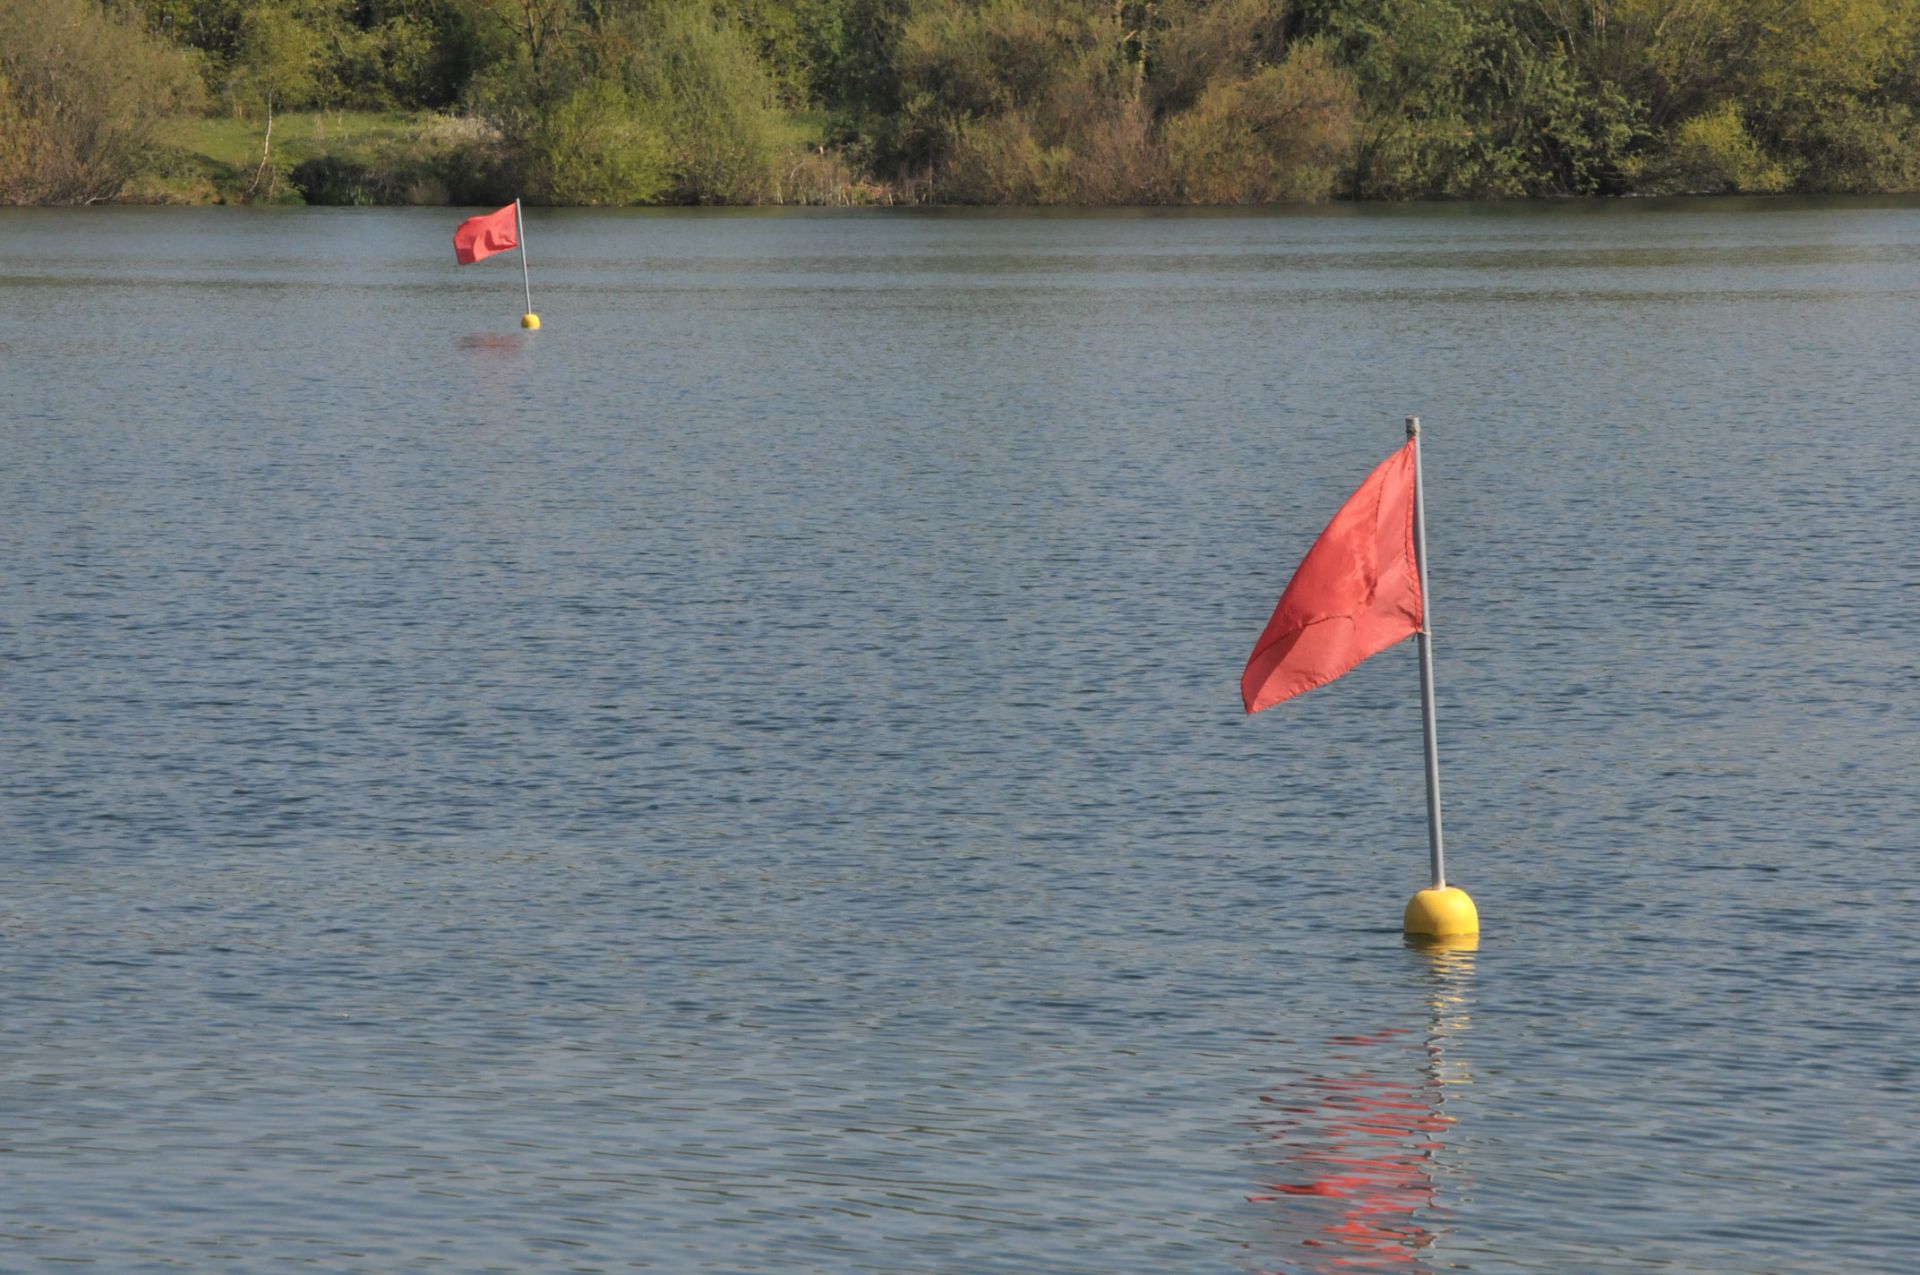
x: 1440, y: 913
x: 530, y: 321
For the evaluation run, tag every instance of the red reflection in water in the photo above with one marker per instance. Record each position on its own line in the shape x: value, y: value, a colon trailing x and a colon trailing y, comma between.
x: 1360, y: 1148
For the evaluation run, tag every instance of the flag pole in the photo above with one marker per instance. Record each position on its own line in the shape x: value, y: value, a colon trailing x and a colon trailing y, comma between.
x: 1436, y: 844
x: 1440, y: 911
x: 529, y: 319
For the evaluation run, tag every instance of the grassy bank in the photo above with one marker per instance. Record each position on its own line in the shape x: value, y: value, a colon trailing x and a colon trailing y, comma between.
x: 326, y: 157
x: 409, y: 157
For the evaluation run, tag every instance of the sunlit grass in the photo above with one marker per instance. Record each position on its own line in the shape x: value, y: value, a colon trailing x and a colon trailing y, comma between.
x: 297, y: 135
x: 217, y: 159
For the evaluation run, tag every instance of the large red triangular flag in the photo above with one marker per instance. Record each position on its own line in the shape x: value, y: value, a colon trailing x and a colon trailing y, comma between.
x: 1356, y: 593
x: 480, y: 237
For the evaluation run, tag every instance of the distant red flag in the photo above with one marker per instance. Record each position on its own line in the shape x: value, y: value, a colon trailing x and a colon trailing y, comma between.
x: 480, y: 237
x: 1356, y: 593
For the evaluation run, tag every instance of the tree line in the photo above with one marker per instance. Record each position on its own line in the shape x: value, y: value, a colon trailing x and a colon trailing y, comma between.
x: 998, y: 101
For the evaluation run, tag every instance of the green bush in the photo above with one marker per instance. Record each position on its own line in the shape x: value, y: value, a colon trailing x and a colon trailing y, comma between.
x: 1067, y: 102
x: 83, y: 93
x: 1121, y: 157
x: 697, y: 79
x: 1279, y: 134
x: 1838, y: 96
x: 1712, y: 154
x: 668, y: 103
x: 594, y: 148
x: 999, y: 160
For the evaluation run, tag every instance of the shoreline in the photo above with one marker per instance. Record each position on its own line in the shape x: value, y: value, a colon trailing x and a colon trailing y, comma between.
x: 435, y: 159
x: 1330, y: 207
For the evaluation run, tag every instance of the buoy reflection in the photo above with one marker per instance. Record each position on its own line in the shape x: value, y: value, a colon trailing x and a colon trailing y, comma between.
x: 492, y: 342
x: 1359, y: 1150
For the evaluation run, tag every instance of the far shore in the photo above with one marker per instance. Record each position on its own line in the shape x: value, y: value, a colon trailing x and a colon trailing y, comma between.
x: 430, y: 159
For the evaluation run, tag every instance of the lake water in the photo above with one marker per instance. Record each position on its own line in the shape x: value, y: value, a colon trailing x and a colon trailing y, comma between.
x: 751, y: 777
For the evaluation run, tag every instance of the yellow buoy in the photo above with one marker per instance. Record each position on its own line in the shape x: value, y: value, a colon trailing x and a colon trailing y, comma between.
x: 1442, y: 912
x: 530, y: 321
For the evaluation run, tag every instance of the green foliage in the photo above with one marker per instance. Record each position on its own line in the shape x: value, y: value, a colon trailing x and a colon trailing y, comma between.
x: 1460, y: 101
x: 856, y: 74
x: 1132, y: 103
x: 1001, y: 55
x: 278, y: 60
x: 1056, y: 101
x: 666, y: 102
x: 393, y: 62
x: 1837, y: 94
x: 82, y: 94
x: 1176, y: 50
x: 1000, y: 160
x: 209, y: 27
x: 1518, y: 97
x: 803, y: 45
x: 593, y: 148
x: 1712, y: 153
x: 697, y: 78
x: 1279, y: 134
x: 355, y: 53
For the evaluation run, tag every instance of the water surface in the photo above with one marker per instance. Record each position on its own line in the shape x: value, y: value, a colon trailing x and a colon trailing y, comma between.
x: 751, y: 777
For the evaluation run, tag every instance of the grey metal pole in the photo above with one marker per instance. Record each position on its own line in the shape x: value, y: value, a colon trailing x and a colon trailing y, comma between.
x: 1435, y: 843
x: 527, y: 278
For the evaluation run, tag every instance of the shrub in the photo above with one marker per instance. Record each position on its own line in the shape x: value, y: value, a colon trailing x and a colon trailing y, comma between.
x: 82, y: 92
x: 1277, y: 135
x: 814, y: 175
x: 1121, y: 158
x: 999, y: 160
x: 593, y: 148
x: 697, y: 79
x: 1713, y: 154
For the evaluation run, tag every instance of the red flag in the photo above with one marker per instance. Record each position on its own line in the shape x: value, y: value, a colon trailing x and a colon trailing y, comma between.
x: 480, y: 237
x: 1357, y: 592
